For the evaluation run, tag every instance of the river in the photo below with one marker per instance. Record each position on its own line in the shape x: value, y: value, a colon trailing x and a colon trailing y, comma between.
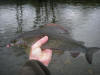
x: 81, y: 19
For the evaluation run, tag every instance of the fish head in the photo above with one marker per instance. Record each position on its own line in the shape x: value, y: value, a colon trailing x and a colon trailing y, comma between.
x: 17, y: 43
x: 12, y: 43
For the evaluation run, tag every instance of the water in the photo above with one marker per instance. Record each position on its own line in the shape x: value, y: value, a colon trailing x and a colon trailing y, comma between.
x: 81, y: 19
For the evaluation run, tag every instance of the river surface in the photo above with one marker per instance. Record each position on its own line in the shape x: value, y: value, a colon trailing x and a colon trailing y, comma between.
x: 81, y: 19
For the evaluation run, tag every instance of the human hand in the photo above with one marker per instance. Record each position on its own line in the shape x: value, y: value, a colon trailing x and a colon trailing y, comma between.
x: 36, y: 53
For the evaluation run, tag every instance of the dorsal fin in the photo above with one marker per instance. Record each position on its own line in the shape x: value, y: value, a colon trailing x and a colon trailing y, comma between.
x: 57, y: 26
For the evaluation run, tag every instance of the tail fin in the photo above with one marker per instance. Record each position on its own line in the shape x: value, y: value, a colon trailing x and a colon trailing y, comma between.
x: 90, y: 52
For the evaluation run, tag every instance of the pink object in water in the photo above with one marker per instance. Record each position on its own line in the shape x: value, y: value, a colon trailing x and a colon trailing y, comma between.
x: 8, y: 46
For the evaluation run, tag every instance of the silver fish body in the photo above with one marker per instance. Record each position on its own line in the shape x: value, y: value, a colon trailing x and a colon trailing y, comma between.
x: 59, y: 39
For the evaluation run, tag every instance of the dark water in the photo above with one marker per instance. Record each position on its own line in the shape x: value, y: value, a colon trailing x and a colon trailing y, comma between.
x: 82, y: 20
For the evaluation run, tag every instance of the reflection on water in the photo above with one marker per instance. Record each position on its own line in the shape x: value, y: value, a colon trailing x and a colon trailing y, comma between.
x: 45, y: 13
x: 19, y: 16
x: 81, y: 19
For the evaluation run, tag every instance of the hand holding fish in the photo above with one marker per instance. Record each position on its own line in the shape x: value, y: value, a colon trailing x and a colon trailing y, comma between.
x: 36, y: 53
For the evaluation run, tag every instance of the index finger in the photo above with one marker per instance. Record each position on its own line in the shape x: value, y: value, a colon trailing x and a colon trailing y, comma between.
x: 40, y: 42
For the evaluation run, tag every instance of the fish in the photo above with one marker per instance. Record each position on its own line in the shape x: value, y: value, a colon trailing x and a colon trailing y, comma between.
x: 59, y: 40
